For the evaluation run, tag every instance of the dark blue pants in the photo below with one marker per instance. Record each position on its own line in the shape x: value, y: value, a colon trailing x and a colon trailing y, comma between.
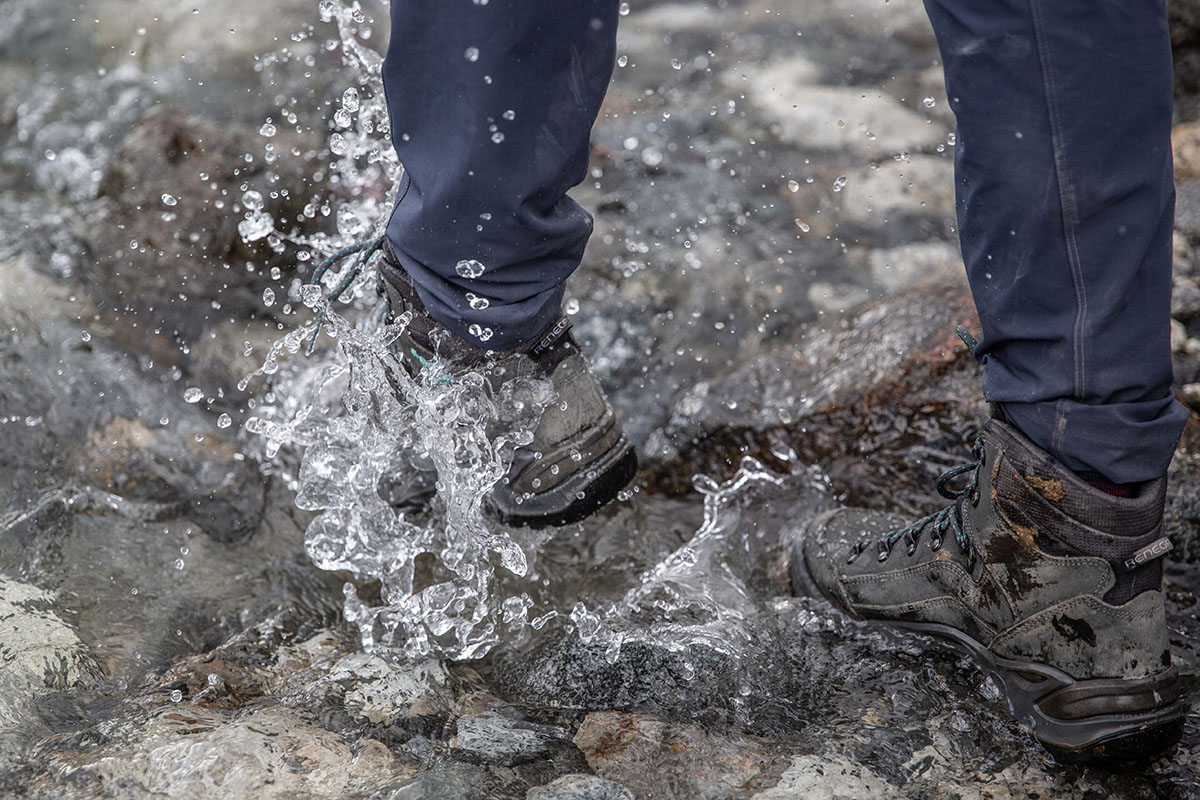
x: 1063, y: 171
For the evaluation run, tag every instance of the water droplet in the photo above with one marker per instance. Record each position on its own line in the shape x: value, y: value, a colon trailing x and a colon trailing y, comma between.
x: 793, y: 186
x: 193, y: 395
x: 87, y: 337
x: 224, y: 421
x: 802, y: 225
x: 472, y: 54
x: 252, y: 200
x: 311, y: 295
x: 497, y: 137
x: 479, y: 332
x: 623, y: 9
x: 267, y: 129
x: 571, y: 306
x: 622, y: 60
x: 337, y: 144
x: 469, y: 268
x: 168, y: 200
x: 840, y: 183
x: 509, y: 115
x: 176, y: 695
x: 350, y: 100
x: 178, y: 563
x: 929, y: 102
x: 268, y: 297
x: 477, y: 303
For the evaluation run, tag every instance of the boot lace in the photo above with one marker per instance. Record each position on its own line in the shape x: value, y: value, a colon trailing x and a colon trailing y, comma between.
x: 948, y: 520
x: 364, y: 250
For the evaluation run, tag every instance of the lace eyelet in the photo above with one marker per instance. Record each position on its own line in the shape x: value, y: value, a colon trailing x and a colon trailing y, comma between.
x: 935, y: 544
x: 912, y: 547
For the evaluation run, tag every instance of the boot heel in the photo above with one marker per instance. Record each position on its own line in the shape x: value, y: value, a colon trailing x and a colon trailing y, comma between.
x: 1110, y: 719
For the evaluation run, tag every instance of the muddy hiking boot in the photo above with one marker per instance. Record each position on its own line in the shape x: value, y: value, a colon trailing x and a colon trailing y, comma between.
x: 1054, y: 586
x: 579, y: 458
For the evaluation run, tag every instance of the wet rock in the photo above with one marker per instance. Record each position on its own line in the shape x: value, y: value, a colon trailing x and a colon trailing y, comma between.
x: 180, y: 279
x: 1187, y: 208
x: 865, y: 122
x: 580, y: 787
x: 916, y: 264
x: 828, y: 778
x: 852, y: 397
x: 837, y: 298
x: 39, y: 651
x: 1185, y: 143
x: 895, y: 188
x: 502, y: 739
x: 654, y: 758
x: 384, y: 693
x: 268, y: 753
x: 454, y: 780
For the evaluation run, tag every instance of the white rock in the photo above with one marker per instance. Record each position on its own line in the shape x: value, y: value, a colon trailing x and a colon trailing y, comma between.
x: 828, y: 777
x: 38, y: 651
x: 916, y: 264
x: 861, y: 121
x: 918, y: 185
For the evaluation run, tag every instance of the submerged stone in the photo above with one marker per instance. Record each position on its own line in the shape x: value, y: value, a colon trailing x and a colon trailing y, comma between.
x: 655, y: 758
x: 501, y: 739
x: 580, y: 787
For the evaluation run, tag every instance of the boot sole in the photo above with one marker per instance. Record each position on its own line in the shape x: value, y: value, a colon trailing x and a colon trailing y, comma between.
x: 575, y: 498
x: 1077, y: 721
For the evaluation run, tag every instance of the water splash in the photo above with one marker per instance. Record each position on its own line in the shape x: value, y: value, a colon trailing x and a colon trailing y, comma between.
x: 350, y: 419
x: 696, y: 596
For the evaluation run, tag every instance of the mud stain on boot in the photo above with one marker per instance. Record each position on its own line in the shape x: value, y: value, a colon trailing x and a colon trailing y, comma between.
x: 1073, y: 629
x: 1052, y: 490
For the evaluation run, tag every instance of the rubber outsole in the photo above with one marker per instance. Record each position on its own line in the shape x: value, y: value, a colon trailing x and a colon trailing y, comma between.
x: 612, y: 477
x: 1138, y: 719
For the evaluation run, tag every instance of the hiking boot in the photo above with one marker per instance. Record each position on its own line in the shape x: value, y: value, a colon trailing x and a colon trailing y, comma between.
x: 579, y: 458
x: 1054, y: 586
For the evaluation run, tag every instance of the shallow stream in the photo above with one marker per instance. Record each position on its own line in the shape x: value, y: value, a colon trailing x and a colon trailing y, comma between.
x: 204, y: 590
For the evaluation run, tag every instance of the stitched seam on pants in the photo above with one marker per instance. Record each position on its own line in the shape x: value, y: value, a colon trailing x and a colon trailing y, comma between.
x: 1066, y: 197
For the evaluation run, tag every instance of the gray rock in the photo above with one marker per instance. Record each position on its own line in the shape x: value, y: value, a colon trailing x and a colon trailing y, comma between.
x: 270, y: 754
x: 181, y: 279
x: 917, y: 185
x: 866, y: 122
x: 659, y: 759
x: 836, y: 396
x: 383, y: 693
x: 504, y: 740
x: 39, y: 652
x: 917, y: 264
x: 828, y: 777
x: 580, y: 787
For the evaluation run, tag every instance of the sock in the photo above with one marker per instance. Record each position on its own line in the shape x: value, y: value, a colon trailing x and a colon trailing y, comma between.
x: 1108, y: 487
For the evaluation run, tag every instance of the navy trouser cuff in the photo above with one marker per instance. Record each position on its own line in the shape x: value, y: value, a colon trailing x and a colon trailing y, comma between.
x: 1124, y: 442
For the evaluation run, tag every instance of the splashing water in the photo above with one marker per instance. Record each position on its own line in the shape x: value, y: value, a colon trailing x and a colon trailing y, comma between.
x: 694, y: 596
x: 352, y: 417
x: 338, y: 425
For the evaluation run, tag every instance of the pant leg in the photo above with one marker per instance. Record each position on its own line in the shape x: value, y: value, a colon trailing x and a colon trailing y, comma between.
x: 491, y: 107
x: 1065, y: 208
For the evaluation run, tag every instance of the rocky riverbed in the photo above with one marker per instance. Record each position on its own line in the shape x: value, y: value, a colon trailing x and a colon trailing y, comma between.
x: 770, y: 298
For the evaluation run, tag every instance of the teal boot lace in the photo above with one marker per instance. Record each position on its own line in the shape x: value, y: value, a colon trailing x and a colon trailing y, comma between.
x: 364, y: 250
x: 948, y: 520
